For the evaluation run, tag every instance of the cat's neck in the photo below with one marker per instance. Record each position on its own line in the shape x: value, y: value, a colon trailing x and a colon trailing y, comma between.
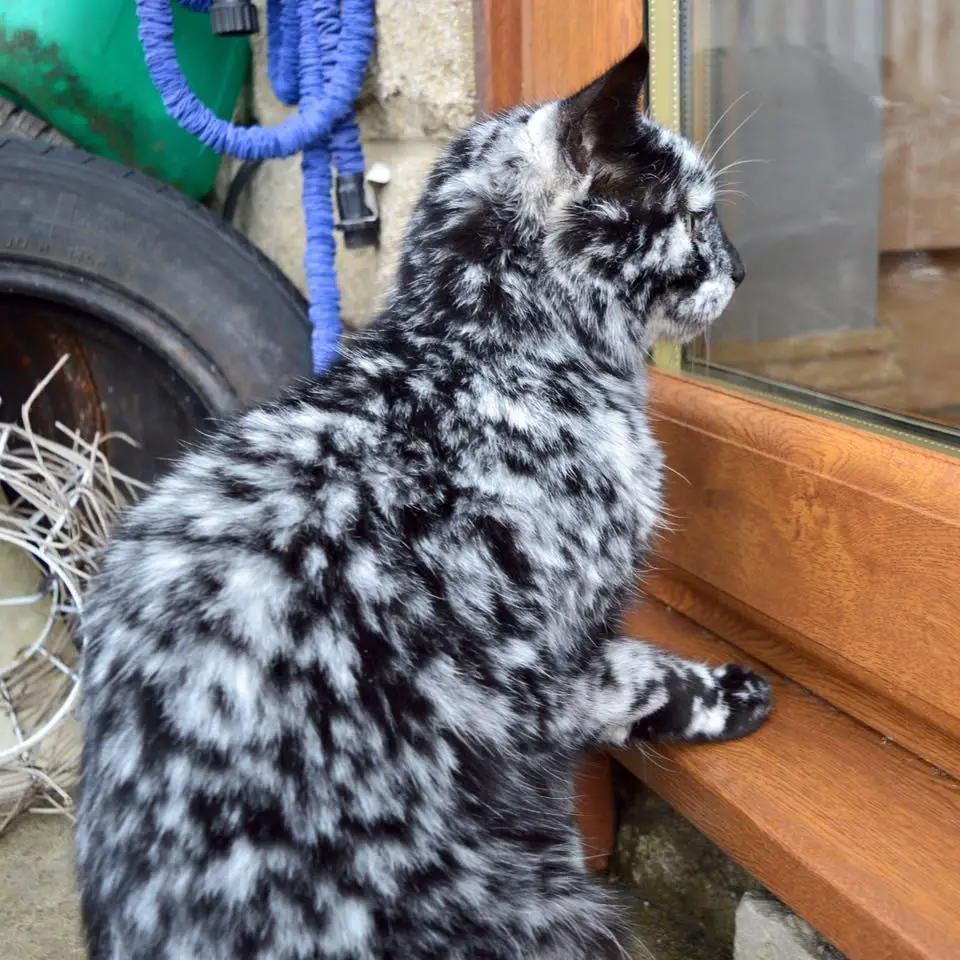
x: 515, y: 304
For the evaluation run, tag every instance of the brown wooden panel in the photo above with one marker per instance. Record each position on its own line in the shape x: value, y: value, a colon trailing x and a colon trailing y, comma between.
x: 568, y: 43
x: 596, y: 816
x: 864, y: 696
x: 499, y: 43
x: 535, y: 50
x: 854, y: 833
x: 844, y: 542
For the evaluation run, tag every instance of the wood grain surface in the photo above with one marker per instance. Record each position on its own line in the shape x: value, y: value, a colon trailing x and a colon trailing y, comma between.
x: 498, y: 29
x: 854, y: 833
x: 568, y: 44
x: 534, y: 50
x: 595, y: 809
x: 842, y: 543
x: 863, y: 695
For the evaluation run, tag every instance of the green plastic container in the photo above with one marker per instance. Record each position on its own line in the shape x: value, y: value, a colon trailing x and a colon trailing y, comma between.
x: 79, y: 66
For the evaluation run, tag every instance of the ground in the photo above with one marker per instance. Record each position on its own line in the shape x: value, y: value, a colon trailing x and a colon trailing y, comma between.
x: 39, y: 915
x: 683, y: 888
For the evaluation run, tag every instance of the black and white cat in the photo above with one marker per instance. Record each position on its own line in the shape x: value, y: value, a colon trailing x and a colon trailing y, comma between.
x: 341, y: 663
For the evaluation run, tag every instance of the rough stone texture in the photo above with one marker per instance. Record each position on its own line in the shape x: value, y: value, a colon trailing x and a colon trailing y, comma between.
x: 419, y: 90
x: 272, y: 216
x: 767, y: 930
x: 409, y: 161
x: 683, y: 889
x: 423, y: 80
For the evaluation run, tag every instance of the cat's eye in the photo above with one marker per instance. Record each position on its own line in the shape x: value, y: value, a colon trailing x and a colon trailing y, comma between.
x: 693, y: 221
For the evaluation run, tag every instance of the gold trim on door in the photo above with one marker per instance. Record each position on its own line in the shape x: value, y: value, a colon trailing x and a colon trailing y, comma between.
x: 663, y: 39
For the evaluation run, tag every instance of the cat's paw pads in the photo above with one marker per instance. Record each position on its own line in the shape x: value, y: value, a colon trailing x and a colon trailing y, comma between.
x: 745, y: 699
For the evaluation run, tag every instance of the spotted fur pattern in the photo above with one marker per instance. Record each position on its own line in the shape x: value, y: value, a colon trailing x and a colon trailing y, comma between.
x: 341, y: 663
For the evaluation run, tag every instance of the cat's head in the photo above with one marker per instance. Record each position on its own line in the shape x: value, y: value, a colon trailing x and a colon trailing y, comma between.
x: 639, y: 213
x: 619, y: 211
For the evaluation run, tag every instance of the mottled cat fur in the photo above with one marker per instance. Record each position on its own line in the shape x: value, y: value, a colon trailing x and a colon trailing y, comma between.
x: 341, y: 663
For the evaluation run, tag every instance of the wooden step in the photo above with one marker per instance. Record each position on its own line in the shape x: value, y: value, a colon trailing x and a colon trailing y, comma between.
x: 835, y: 547
x: 854, y: 833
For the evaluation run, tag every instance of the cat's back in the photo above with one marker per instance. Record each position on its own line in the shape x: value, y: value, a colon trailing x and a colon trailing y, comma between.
x: 267, y: 719
x: 230, y: 762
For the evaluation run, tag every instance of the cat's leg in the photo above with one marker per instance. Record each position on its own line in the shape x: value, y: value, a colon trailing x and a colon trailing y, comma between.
x: 633, y: 691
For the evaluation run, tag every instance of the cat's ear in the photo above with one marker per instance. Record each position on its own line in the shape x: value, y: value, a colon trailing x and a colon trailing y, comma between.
x: 603, y: 112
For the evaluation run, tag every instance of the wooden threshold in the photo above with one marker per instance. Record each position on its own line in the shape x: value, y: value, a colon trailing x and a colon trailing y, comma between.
x: 853, y: 832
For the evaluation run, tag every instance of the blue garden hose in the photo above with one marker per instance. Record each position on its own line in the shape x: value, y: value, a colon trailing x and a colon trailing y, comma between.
x: 317, y: 53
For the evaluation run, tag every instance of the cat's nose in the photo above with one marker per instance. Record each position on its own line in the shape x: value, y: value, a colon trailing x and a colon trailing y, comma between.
x: 737, y: 271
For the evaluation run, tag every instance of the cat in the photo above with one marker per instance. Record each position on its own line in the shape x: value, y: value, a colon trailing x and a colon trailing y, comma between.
x: 341, y: 663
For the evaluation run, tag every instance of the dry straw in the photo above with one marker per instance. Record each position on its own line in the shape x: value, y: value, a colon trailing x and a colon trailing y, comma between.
x: 58, y: 501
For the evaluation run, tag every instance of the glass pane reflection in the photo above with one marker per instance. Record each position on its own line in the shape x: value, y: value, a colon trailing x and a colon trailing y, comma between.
x: 836, y: 124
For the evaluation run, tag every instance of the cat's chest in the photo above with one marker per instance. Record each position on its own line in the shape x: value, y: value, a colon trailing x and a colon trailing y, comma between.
x: 620, y: 451
x: 608, y: 516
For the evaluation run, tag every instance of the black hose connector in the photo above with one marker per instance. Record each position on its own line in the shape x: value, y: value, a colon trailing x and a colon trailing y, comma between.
x: 359, y: 224
x: 234, y: 18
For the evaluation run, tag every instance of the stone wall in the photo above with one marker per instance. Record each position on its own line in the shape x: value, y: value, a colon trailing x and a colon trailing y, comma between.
x: 419, y: 91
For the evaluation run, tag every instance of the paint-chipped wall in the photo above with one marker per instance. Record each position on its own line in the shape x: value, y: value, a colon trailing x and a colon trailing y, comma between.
x: 419, y: 91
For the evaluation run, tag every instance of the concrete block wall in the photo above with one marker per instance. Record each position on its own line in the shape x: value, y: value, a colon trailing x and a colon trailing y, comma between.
x: 419, y: 91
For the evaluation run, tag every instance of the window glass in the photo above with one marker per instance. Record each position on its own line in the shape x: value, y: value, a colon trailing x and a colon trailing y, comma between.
x: 836, y: 128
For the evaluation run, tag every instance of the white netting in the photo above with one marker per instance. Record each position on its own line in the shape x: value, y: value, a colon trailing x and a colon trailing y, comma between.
x: 58, y: 501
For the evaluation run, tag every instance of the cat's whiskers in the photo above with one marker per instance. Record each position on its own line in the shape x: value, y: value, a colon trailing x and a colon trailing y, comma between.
x: 667, y: 522
x: 731, y: 135
x: 677, y: 473
x: 738, y: 163
x: 730, y: 188
x: 719, y: 120
x: 730, y: 196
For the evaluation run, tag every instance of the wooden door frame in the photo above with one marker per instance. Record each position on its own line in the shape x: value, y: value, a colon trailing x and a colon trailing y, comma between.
x: 826, y: 550
x: 515, y: 63
x: 498, y: 31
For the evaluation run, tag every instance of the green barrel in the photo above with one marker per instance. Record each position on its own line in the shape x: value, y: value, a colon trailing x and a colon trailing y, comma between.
x: 79, y: 66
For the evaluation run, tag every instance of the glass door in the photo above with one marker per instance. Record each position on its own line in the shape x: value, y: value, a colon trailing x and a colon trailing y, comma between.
x: 835, y: 128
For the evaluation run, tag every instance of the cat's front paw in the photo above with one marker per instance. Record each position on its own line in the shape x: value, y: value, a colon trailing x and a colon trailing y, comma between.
x: 744, y: 701
x: 706, y: 704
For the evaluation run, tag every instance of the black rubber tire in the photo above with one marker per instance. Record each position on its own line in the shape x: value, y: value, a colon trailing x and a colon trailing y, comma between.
x: 159, y: 266
x: 23, y: 125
